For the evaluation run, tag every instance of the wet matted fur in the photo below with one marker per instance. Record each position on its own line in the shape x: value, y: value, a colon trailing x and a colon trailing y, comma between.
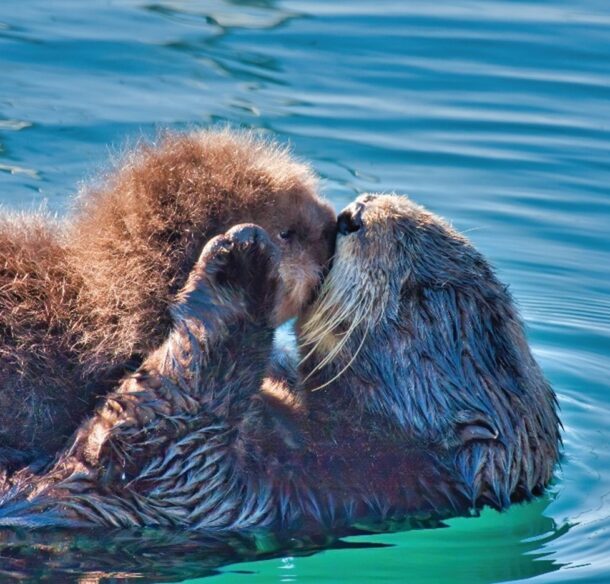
x: 430, y: 405
x: 175, y: 444
x: 414, y: 341
x: 83, y: 300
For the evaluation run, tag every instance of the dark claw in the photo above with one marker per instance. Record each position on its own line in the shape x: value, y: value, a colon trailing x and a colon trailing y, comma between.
x: 474, y: 426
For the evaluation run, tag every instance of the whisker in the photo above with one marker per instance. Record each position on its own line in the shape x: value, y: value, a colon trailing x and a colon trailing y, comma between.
x: 340, y: 344
x: 324, y: 326
x: 316, y: 341
x: 335, y: 351
x: 471, y: 229
x: 366, y: 332
x: 326, y: 320
x: 327, y: 328
x: 327, y: 323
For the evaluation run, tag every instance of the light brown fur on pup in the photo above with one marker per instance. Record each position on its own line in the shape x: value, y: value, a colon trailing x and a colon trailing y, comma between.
x: 81, y: 301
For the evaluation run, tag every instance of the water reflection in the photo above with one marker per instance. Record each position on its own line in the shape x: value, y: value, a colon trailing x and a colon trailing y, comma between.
x: 517, y: 539
x: 148, y: 555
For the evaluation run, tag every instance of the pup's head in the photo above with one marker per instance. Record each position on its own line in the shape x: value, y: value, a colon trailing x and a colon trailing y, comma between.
x: 227, y: 178
x: 304, y: 227
x: 148, y: 221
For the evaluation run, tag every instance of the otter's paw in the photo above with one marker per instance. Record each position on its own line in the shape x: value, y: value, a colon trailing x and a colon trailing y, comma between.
x: 244, y: 261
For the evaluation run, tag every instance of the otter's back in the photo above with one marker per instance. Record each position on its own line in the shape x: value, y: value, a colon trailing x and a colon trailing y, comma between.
x: 39, y: 332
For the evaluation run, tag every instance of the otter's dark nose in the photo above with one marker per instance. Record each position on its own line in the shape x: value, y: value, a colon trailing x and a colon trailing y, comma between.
x: 350, y: 219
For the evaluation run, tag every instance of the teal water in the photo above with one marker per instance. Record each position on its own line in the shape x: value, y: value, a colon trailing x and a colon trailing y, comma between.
x: 494, y: 114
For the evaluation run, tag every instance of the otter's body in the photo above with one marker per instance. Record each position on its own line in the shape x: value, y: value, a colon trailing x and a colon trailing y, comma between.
x: 83, y: 301
x: 424, y: 401
x: 414, y: 337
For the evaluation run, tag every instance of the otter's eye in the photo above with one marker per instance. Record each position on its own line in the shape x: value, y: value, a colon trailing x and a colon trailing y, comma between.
x: 286, y: 235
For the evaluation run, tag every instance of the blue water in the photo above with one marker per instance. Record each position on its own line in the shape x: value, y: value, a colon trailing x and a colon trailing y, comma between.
x: 494, y: 114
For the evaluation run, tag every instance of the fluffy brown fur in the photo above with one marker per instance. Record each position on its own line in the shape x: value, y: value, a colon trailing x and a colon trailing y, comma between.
x: 39, y: 331
x: 82, y: 301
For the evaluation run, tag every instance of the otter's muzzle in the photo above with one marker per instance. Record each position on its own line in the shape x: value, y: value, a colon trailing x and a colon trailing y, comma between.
x: 350, y: 219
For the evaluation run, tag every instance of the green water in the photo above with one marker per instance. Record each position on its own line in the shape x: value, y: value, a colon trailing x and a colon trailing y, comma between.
x: 494, y: 114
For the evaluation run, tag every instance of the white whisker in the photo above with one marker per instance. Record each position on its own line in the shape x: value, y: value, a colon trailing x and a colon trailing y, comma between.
x: 471, y: 229
x: 340, y: 344
x: 328, y: 326
x: 366, y: 332
x: 343, y: 305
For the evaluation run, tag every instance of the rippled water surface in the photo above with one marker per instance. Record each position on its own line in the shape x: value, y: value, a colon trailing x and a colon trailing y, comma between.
x: 495, y: 115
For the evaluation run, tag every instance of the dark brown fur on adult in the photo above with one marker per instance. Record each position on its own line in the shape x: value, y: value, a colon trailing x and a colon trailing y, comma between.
x: 82, y: 301
x: 415, y: 341
x: 426, y: 401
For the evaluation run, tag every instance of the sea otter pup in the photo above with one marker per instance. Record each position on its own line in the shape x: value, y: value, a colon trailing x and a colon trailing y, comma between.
x: 425, y: 399
x: 82, y: 301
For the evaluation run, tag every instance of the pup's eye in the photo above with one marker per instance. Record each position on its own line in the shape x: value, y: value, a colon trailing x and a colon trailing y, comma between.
x: 287, y: 234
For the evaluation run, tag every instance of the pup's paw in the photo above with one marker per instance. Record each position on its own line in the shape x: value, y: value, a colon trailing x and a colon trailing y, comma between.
x: 243, y: 264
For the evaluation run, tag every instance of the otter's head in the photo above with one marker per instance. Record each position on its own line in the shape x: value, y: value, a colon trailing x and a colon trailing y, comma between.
x: 412, y: 336
x: 389, y: 252
x: 412, y: 322
x: 303, y: 226
x: 243, y: 178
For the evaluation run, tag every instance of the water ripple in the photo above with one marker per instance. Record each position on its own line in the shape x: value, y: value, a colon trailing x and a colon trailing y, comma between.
x: 495, y: 114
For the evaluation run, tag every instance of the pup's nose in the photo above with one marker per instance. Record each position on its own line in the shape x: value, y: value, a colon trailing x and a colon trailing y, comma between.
x: 350, y: 219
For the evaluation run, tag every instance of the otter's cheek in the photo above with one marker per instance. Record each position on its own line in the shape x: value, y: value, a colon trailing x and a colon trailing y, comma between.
x: 284, y: 311
x: 299, y: 282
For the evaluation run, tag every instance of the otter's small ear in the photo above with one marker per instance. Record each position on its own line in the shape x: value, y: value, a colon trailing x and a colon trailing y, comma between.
x: 473, y: 426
